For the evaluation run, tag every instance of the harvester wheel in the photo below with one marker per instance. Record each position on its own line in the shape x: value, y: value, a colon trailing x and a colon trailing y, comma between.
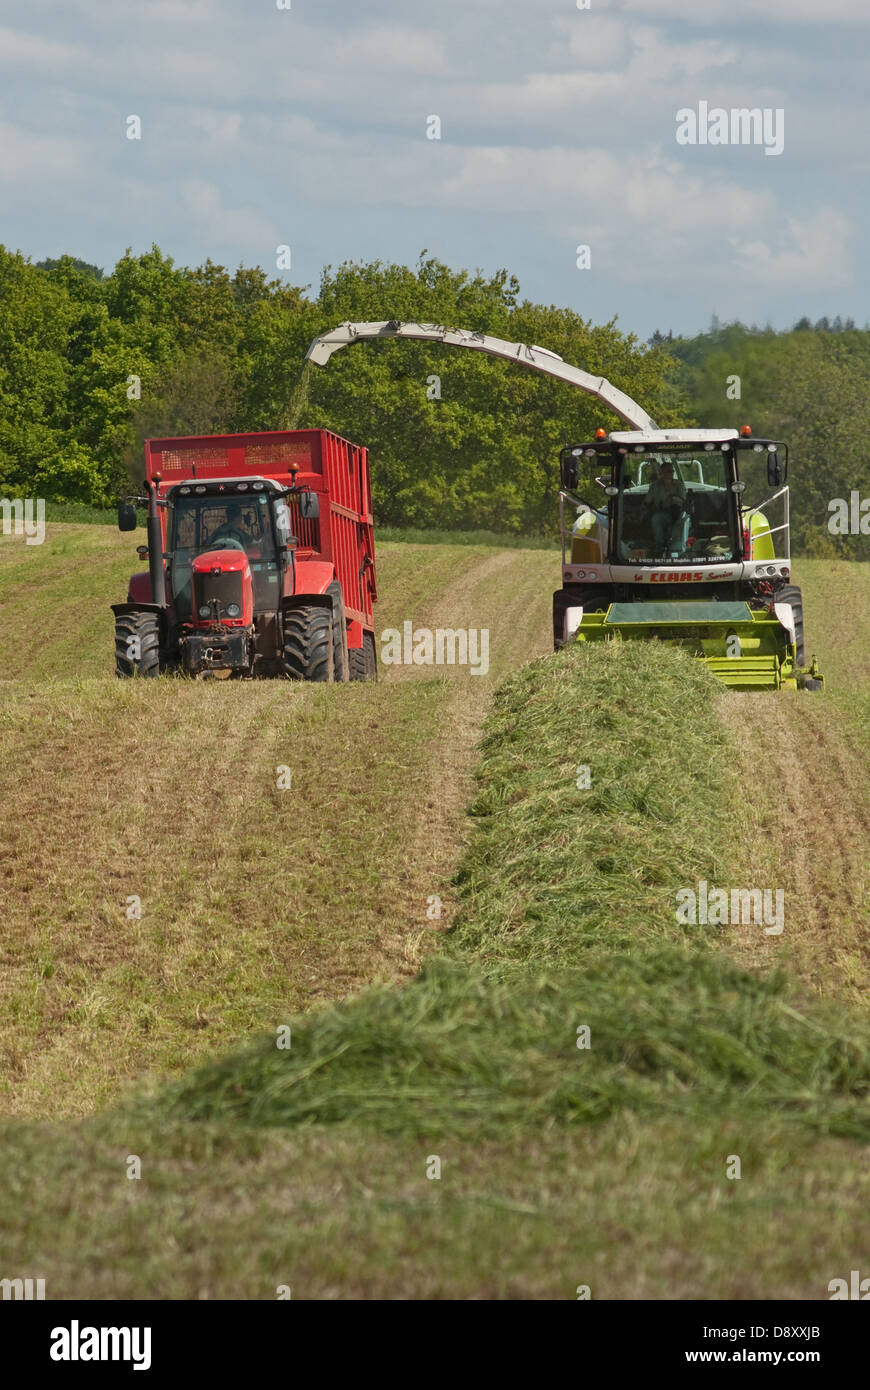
x: 308, y: 644
x: 363, y: 661
x: 791, y: 595
x: 137, y: 644
x: 339, y: 634
x: 587, y: 598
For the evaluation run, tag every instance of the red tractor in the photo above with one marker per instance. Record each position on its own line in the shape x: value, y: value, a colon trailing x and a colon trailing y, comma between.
x: 260, y: 560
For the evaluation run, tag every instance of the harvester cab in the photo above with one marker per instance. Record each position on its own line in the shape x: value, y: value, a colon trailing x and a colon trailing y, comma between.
x: 643, y: 511
x: 261, y: 560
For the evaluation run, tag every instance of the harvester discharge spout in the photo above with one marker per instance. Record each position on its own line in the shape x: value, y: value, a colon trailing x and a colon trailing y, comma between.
x: 539, y: 359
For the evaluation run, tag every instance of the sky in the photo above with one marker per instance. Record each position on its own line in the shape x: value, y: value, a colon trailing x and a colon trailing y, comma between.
x: 308, y: 126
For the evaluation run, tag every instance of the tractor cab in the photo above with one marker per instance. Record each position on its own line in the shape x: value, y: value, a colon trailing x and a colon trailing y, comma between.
x: 229, y: 528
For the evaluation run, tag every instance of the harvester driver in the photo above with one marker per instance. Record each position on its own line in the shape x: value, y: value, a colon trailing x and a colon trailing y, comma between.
x: 666, y: 504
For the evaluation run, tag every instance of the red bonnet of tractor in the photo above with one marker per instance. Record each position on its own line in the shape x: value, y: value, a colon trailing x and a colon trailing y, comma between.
x: 222, y: 580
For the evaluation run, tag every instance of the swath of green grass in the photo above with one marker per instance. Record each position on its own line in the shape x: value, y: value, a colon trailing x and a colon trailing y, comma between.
x: 473, y: 1053
x: 555, y: 866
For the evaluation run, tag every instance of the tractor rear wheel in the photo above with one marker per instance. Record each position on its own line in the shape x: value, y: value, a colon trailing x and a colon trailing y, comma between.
x: 308, y: 644
x: 791, y: 595
x: 363, y: 661
x: 339, y: 634
x: 137, y: 645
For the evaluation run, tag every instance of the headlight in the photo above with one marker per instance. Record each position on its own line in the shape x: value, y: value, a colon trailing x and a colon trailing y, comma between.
x: 205, y: 610
x: 233, y: 610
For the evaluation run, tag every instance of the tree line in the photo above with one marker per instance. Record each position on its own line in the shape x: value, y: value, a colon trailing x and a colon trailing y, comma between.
x: 213, y: 351
x: 93, y: 363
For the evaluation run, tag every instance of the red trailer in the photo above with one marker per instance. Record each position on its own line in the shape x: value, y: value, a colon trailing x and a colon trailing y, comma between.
x: 261, y: 559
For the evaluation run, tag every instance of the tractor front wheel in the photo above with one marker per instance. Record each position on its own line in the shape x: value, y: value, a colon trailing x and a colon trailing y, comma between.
x: 137, y: 645
x: 308, y: 644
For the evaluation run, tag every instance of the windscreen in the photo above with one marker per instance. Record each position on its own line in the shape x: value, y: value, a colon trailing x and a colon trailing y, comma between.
x: 198, y: 524
x: 676, y: 507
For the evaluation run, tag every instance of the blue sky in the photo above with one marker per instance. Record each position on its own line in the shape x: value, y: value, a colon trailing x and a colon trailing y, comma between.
x: 307, y: 127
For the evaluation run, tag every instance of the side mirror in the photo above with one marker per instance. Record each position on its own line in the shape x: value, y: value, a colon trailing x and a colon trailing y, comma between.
x: 309, y: 506
x: 126, y: 516
x: 569, y: 472
x: 775, y: 471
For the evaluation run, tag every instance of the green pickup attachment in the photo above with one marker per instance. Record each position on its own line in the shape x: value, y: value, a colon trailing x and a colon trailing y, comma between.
x: 748, y: 649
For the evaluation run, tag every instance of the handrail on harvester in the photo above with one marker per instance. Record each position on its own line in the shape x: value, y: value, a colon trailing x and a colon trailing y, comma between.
x: 538, y: 358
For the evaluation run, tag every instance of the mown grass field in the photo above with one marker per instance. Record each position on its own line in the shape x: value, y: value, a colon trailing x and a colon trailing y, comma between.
x: 415, y: 1039
x: 253, y: 900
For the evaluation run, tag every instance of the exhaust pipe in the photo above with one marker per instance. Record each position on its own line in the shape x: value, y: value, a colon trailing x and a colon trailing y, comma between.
x: 155, y: 549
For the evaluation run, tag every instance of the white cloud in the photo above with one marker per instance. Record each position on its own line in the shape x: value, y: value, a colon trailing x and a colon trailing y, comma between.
x: 221, y: 226
x: 21, y: 52
x: 712, y: 12
x: 28, y: 157
x: 390, y: 49
x: 154, y: 12
x: 808, y: 254
x: 223, y: 129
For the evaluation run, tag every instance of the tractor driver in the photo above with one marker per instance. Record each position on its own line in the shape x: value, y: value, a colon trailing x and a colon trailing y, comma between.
x: 237, y: 526
x: 665, y: 505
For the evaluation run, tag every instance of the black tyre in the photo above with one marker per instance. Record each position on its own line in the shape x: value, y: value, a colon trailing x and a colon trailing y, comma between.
x: 363, y: 661
x: 137, y: 645
x: 340, y: 664
x: 308, y: 644
x: 791, y: 595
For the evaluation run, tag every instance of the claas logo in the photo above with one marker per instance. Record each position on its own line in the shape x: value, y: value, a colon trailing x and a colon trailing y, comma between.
x: 685, y: 576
